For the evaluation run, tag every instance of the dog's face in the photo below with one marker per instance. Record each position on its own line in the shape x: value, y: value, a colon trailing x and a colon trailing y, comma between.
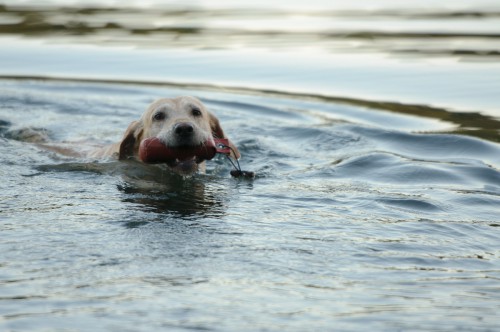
x: 178, y: 122
x: 182, y: 122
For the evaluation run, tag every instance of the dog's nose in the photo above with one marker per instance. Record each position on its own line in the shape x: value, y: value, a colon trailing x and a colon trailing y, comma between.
x: 183, y: 129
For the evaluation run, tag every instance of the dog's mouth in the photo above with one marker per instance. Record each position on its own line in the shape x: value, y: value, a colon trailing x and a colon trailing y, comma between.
x: 185, y: 159
x: 185, y: 162
x: 153, y: 150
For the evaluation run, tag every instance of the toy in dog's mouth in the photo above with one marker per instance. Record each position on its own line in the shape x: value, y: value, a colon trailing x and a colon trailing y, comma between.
x: 153, y: 150
x: 185, y: 159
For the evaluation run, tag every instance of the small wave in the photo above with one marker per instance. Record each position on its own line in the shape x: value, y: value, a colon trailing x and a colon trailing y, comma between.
x: 434, y: 146
x: 417, y: 205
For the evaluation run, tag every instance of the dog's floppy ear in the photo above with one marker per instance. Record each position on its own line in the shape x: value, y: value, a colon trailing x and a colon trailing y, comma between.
x: 131, y: 140
x: 217, y: 132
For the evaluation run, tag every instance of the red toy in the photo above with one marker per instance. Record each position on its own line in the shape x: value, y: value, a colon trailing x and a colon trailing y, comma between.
x: 152, y: 150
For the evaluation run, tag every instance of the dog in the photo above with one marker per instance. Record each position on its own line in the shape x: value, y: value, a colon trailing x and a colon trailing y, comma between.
x: 180, y: 123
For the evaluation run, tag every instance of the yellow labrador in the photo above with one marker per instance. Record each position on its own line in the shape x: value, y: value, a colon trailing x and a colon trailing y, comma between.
x: 180, y: 123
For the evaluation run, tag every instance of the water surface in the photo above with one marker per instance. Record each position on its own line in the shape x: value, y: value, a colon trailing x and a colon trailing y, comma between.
x: 442, y: 54
x: 373, y: 131
x: 348, y: 222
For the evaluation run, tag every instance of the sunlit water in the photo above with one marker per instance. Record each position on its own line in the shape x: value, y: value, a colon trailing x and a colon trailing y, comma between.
x: 363, y: 214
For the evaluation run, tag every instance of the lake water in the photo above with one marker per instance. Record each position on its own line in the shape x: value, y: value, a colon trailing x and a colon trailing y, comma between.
x: 373, y: 128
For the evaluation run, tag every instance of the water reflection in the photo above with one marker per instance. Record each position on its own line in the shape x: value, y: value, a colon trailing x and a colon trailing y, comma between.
x: 172, y: 195
x: 438, y: 31
x: 153, y: 189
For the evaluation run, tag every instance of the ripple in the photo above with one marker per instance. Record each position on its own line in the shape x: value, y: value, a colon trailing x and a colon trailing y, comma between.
x: 440, y: 147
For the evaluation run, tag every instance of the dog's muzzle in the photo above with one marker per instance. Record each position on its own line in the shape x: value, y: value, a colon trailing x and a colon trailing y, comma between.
x: 153, y: 150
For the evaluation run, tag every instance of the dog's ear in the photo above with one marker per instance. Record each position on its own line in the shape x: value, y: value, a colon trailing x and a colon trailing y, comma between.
x: 131, y: 140
x: 218, y: 132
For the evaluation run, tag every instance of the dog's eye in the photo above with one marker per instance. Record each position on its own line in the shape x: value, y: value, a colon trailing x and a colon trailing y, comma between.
x: 159, y: 116
x: 196, y: 111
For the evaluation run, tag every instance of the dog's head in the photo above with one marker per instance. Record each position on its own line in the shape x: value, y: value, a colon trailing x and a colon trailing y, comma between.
x: 180, y: 123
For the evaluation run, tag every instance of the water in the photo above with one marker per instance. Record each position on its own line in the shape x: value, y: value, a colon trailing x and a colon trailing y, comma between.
x: 443, y: 55
x: 367, y: 209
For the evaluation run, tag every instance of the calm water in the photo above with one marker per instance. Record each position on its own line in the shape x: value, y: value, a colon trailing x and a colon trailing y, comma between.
x: 377, y: 197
